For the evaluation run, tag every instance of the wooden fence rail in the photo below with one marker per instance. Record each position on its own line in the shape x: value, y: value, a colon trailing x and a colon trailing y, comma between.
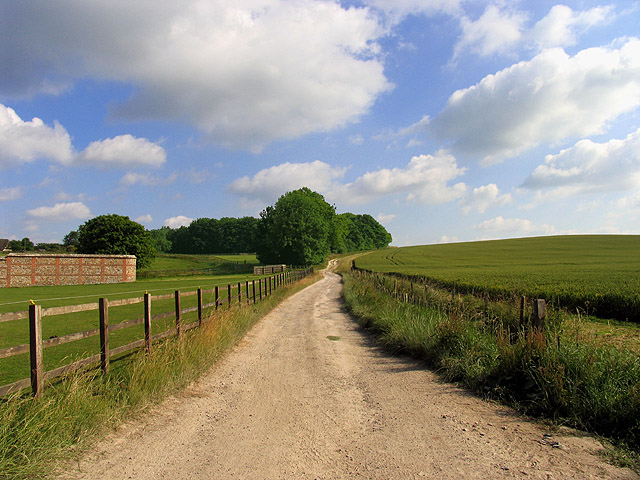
x: 36, y: 343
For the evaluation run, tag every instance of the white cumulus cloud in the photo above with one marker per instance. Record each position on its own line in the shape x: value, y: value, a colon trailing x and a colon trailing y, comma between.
x: 61, y: 212
x: 136, y: 178
x: 504, y: 30
x: 244, y: 73
x: 426, y: 180
x: 550, y: 98
x: 177, y: 222
x: 268, y: 184
x: 484, y: 197
x: 145, y: 219
x: 562, y: 25
x: 385, y: 217
x: 494, y: 32
x: 590, y: 167
x: 501, y: 227
x: 123, y: 151
x: 10, y: 193
x: 22, y: 141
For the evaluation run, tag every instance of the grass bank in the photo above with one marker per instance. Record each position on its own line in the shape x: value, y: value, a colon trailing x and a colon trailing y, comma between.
x: 37, y: 436
x: 595, y: 274
x: 557, y: 373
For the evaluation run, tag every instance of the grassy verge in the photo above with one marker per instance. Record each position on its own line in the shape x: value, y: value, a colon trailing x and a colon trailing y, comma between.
x: 36, y: 436
x: 558, y: 373
x: 595, y: 274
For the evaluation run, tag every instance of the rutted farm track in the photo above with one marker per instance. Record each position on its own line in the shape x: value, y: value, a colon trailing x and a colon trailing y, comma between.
x: 308, y: 395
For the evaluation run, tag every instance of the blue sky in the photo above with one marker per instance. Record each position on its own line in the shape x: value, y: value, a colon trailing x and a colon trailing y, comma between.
x: 445, y: 120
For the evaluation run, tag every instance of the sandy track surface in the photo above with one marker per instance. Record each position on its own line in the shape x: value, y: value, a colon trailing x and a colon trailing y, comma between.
x: 308, y: 395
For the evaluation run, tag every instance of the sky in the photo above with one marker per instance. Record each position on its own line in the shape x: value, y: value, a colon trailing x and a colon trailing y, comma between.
x: 446, y: 120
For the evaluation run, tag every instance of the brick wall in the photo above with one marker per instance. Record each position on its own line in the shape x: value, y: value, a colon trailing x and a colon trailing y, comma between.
x: 24, y: 269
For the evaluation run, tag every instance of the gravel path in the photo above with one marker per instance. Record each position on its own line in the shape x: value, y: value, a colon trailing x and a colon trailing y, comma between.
x: 308, y: 395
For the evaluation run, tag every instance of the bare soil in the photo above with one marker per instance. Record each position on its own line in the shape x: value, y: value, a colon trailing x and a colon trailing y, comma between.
x: 308, y: 395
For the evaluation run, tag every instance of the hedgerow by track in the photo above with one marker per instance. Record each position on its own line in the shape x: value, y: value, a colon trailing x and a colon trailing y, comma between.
x: 595, y: 274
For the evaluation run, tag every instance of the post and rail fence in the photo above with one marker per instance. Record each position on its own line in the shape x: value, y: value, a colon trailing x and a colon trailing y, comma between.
x: 409, y: 294
x: 265, y: 286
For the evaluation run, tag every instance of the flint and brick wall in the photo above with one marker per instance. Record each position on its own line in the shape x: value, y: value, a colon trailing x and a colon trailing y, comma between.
x: 25, y: 270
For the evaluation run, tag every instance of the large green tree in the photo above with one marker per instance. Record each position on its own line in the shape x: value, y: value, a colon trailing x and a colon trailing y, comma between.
x: 116, y: 235
x: 297, y: 230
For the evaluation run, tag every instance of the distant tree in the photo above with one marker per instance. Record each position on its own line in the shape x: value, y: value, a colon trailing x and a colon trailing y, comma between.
x: 161, y: 239
x: 210, y: 235
x: 296, y: 230
x: 51, y: 247
x: 24, y: 245
x: 71, y: 239
x: 204, y: 235
x: 362, y: 232
x: 237, y: 235
x: 116, y: 235
x: 179, y: 238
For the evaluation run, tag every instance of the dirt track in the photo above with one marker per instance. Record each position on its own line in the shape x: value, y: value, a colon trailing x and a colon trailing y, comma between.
x: 307, y: 395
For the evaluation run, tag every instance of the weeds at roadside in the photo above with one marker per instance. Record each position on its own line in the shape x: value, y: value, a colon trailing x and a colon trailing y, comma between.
x: 556, y: 373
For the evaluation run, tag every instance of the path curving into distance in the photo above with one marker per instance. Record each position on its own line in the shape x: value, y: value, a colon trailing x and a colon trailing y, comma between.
x: 308, y: 395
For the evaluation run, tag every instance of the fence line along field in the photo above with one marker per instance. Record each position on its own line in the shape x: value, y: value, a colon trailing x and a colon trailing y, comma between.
x: 16, y: 332
x: 595, y: 274
x: 71, y: 330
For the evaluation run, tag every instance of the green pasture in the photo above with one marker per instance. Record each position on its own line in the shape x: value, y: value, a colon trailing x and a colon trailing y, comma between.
x: 16, y: 332
x: 594, y: 274
x: 168, y: 261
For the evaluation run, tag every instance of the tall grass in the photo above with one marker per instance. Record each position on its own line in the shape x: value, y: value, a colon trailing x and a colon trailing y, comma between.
x: 556, y: 373
x: 37, y: 435
x: 595, y: 273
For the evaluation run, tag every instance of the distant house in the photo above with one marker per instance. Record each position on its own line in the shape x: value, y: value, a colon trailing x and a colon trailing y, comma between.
x: 4, y: 245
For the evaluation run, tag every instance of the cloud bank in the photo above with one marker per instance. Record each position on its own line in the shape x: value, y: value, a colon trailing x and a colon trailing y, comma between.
x: 244, y: 73
x: 23, y: 142
x: 550, y: 98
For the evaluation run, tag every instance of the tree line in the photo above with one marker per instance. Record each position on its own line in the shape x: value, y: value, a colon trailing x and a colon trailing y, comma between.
x: 301, y: 229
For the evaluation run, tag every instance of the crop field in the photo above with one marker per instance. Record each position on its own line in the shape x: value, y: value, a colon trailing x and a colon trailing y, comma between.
x: 16, y: 332
x: 594, y: 274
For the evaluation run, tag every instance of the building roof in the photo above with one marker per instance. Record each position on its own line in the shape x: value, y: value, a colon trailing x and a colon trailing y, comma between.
x: 3, y: 244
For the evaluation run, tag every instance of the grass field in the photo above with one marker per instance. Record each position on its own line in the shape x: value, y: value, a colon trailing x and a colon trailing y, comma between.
x: 596, y: 274
x: 177, y: 262
x: 16, y: 332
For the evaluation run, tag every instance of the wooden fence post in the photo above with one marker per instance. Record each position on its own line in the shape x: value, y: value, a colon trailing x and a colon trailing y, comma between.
x: 35, y: 350
x: 229, y: 295
x: 178, y: 312
x: 239, y: 294
x: 523, y: 301
x: 246, y: 284
x: 103, y: 305
x: 217, y: 297
x: 539, y: 313
x: 147, y: 322
x: 260, y: 287
x: 199, y: 307
x: 254, y: 291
